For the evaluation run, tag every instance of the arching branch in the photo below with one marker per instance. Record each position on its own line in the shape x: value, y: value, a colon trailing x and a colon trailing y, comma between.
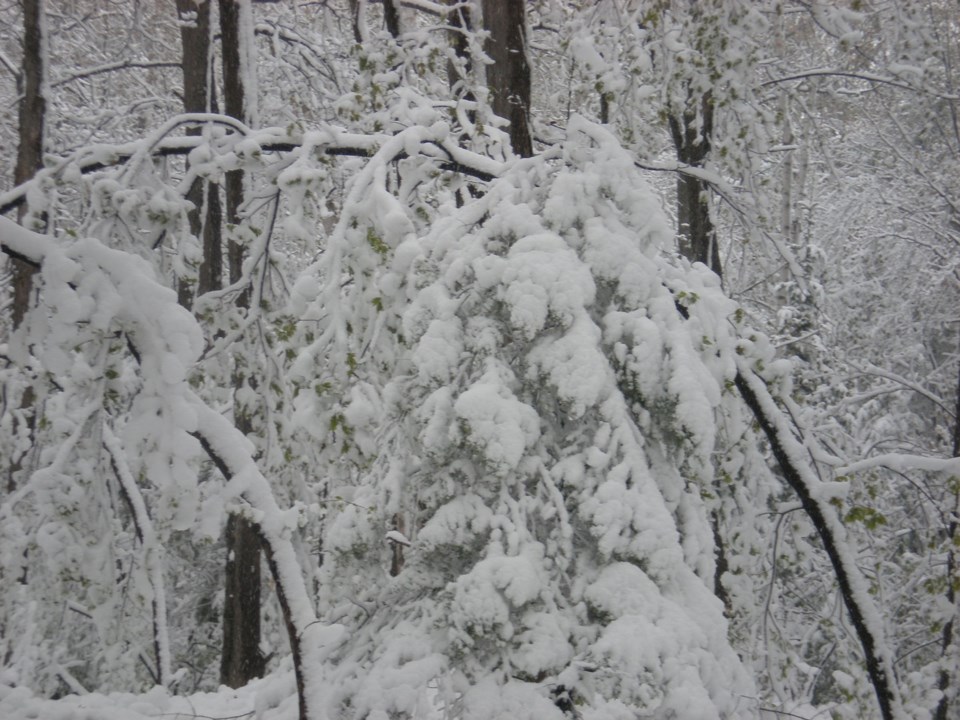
x: 448, y: 156
x: 863, y: 613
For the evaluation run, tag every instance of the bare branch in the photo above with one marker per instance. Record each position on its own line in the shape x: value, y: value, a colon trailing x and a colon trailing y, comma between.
x: 866, y: 77
x: 114, y: 67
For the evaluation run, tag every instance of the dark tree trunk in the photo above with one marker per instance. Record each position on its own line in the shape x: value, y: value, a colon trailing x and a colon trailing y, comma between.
x: 195, y: 41
x: 691, y: 133
x: 698, y: 243
x: 508, y: 78
x: 391, y: 17
x: 356, y: 15
x: 31, y: 121
x: 236, y: 106
x: 241, y: 659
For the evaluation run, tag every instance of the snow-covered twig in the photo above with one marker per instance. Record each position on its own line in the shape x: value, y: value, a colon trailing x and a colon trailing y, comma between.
x: 901, y: 462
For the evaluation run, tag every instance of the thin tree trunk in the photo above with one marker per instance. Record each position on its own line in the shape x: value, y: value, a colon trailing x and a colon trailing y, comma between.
x: 691, y: 133
x: 359, y: 24
x: 241, y: 659
x: 152, y: 553
x: 31, y: 119
x: 698, y: 244
x: 508, y: 78
x: 391, y: 17
x: 205, y: 222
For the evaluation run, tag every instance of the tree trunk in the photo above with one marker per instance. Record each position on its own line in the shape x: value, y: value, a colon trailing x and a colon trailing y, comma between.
x: 698, y: 243
x: 691, y: 133
x: 508, y: 78
x: 391, y: 17
x: 31, y: 121
x: 241, y: 659
x: 236, y: 105
x: 205, y: 221
x: 359, y: 26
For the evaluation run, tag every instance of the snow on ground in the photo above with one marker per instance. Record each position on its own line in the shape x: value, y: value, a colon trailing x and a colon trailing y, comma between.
x: 271, y: 698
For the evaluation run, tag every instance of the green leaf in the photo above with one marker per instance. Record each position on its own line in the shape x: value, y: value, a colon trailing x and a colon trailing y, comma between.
x: 866, y: 515
x: 377, y: 243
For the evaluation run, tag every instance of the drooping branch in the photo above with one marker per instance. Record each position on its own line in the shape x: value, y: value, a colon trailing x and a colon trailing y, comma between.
x: 863, y: 613
x: 448, y: 156
x: 227, y: 447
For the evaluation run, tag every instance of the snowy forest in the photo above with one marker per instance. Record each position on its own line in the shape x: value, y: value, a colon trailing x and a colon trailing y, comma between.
x: 479, y: 359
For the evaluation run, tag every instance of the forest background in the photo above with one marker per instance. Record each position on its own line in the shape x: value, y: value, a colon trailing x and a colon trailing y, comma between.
x: 479, y: 359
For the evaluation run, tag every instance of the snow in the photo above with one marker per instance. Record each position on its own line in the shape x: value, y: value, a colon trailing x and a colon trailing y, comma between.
x: 456, y: 523
x: 504, y: 390
x: 270, y: 698
x: 397, y: 537
x: 499, y: 425
x: 543, y: 279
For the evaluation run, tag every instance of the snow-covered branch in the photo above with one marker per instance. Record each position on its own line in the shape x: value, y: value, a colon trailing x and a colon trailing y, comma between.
x: 902, y: 462
x: 815, y: 498
x: 164, y: 338
x: 449, y: 157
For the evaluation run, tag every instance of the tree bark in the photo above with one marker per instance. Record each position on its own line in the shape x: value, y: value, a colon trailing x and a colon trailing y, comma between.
x: 508, y: 78
x: 31, y: 119
x: 391, y: 17
x: 691, y: 131
x: 241, y: 659
x: 698, y: 243
x: 205, y: 221
x: 359, y: 26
